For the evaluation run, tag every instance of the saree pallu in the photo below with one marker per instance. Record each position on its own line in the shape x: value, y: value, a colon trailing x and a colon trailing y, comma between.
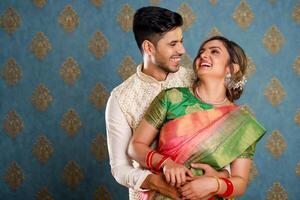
x: 216, y: 137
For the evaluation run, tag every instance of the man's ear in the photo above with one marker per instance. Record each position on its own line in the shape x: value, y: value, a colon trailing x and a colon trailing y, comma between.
x: 148, y: 47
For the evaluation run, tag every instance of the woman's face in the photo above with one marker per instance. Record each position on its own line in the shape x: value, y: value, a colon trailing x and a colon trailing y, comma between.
x: 213, y: 61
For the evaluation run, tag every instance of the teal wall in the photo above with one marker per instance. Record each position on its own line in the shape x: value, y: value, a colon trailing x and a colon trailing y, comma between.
x: 24, y: 175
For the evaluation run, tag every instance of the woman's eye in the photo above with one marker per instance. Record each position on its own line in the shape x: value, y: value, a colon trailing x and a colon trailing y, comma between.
x: 215, y: 52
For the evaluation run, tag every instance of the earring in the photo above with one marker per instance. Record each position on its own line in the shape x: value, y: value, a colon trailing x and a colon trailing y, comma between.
x: 230, y: 84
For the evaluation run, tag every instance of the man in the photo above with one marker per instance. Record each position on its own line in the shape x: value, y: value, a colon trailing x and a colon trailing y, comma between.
x: 158, y: 35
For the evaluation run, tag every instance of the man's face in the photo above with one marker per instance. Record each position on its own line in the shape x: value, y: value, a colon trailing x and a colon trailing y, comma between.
x: 168, y: 51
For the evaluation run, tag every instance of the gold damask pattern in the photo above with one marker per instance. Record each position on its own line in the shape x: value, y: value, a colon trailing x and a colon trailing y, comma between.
x: 188, y: 16
x: 243, y: 15
x: 186, y: 61
x: 213, y: 2
x: 70, y: 71
x: 40, y: 46
x: 98, y: 45
x: 253, y: 172
x: 273, y: 40
x: 214, y: 32
x: 68, y: 19
x: 39, y: 3
x: 13, y: 124
x: 127, y: 67
x: 72, y: 175
x: 125, y: 18
x: 71, y: 122
x: 41, y: 98
x: 101, y: 194
x: 296, y: 65
x: 12, y: 72
x: 155, y: 2
x: 276, y: 144
x: 296, y: 13
x: 11, y: 20
x: 44, y: 194
x: 297, y: 171
x: 250, y: 67
x: 42, y: 149
x: 99, y: 96
x: 277, y: 192
x: 99, y: 147
x: 297, y: 118
x: 14, y: 176
x: 274, y: 92
x: 97, y: 3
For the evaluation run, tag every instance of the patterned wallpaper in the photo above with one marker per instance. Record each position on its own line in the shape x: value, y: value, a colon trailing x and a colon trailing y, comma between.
x: 60, y: 59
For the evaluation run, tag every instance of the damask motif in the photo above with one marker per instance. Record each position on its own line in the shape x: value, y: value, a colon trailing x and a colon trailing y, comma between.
x: 213, y: 2
x: 71, y: 122
x: 188, y: 16
x: 296, y: 13
x: 98, y: 45
x: 101, y: 194
x: 40, y: 46
x: 277, y: 192
x: 273, y: 40
x: 250, y: 70
x: 297, y: 118
x: 274, y: 92
x: 297, y: 171
x: 99, y: 96
x: 127, y: 67
x: 214, y: 32
x: 253, y: 172
x: 41, y: 98
x: 44, y: 194
x: 155, y: 2
x: 125, y: 18
x: 11, y: 20
x: 243, y: 15
x: 14, y: 176
x: 68, y: 19
x: 276, y: 144
x: 72, y: 174
x: 12, y: 72
x: 13, y: 124
x: 70, y: 71
x: 97, y: 3
x: 39, y: 3
x: 296, y: 66
x: 186, y: 61
x: 42, y: 149
x: 99, y: 147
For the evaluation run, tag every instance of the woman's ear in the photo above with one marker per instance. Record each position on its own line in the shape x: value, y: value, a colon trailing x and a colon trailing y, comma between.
x: 236, y: 68
x: 148, y: 47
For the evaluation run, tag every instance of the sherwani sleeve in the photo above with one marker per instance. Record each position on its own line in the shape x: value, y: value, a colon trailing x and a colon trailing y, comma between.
x: 119, y: 134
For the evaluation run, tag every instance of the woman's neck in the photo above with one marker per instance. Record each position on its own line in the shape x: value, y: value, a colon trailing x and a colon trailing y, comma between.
x: 212, y: 93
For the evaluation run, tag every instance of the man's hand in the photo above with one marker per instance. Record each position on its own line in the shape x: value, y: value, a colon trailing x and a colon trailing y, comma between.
x: 157, y: 183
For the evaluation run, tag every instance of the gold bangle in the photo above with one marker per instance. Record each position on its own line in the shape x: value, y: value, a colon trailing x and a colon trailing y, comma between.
x: 218, y: 185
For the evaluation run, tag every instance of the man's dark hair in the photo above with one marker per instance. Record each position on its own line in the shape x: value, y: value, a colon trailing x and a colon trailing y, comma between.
x: 151, y: 23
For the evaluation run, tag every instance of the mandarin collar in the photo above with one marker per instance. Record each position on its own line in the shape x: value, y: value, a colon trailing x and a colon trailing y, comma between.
x: 150, y: 79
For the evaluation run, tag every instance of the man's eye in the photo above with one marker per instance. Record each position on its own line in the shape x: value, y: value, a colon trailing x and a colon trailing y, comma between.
x: 172, y: 44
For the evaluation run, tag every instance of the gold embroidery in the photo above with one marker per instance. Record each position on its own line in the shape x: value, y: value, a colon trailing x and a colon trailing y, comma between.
x: 99, y: 147
x: 40, y: 45
x: 175, y: 96
x: 14, y: 176
x: 41, y: 98
x: 42, y: 149
x: 13, y: 124
x: 12, y: 73
x: 243, y: 15
x: 274, y: 92
x: 11, y: 20
x: 273, y: 40
x: 277, y: 192
x: 99, y: 96
x: 71, y: 122
x: 72, y: 175
x: 127, y: 67
x: 193, y: 108
x: 188, y: 16
x: 70, y: 71
x: 68, y: 19
x: 98, y: 45
x: 276, y: 144
x: 125, y: 18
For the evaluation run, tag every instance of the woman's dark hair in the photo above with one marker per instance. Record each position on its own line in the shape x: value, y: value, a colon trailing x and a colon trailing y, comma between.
x: 151, y: 23
x: 236, y: 56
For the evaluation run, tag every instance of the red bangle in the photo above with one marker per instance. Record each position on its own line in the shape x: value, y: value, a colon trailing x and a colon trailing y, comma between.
x: 229, y: 189
x: 149, y: 157
x: 160, y: 163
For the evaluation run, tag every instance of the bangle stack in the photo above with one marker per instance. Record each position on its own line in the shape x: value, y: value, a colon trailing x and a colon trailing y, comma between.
x: 159, y: 165
x: 229, y: 189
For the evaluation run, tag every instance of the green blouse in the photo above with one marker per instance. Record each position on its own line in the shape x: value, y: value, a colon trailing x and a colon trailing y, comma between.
x: 176, y: 102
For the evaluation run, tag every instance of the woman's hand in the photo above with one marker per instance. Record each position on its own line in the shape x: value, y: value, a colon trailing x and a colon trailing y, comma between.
x: 201, y: 188
x: 176, y: 174
x: 209, y: 171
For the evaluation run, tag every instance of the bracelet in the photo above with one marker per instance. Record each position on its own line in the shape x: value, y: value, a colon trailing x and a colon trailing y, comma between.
x: 218, y: 185
x: 229, y: 189
x: 149, y: 157
x: 160, y: 163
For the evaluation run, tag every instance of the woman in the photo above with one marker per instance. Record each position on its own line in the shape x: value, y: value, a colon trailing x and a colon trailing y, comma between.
x: 202, y: 125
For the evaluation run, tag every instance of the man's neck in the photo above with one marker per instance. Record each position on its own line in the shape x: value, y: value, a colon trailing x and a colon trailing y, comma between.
x: 154, y: 71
